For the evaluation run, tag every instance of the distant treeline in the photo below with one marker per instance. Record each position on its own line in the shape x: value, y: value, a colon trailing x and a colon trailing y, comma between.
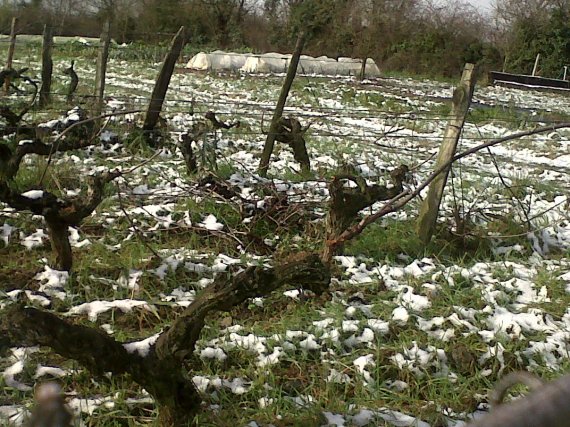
x: 413, y: 36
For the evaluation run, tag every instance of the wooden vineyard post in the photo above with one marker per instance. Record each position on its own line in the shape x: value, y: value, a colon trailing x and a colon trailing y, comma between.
x: 163, y: 81
x: 101, y: 72
x: 47, y: 66
x: 536, y: 62
x: 273, y: 130
x: 461, y: 100
x: 11, y: 50
x: 363, y: 69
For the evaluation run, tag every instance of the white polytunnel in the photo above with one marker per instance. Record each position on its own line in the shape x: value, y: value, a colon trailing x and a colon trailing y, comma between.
x: 217, y: 61
x: 266, y: 63
x: 275, y: 63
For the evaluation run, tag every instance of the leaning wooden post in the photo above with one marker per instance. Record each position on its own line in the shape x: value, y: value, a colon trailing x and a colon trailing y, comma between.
x: 461, y: 100
x: 273, y: 130
x: 101, y: 71
x: 163, y: 81
x: 11, y: 50
x: 47, y: 66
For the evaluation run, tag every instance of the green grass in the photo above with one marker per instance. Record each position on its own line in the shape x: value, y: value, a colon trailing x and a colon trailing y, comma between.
x: 300, y: 372
x: 388, y: 240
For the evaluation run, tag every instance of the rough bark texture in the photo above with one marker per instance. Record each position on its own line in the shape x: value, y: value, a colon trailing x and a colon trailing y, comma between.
x: 305, y: 269
x: 163, y: 81
x: 362, y: 74
x: 73, y: 82
x: 59, y: 239
x: 101, y: 71
x: 346, y: 203
x: 162, y: 372
x: 47, y: 66
x: 42, y: 149
x: 188, y: 154
x: 198, y: 134
x: 289, y: 131
x: 95, y: 350
x: 13, y: 119
x: 7, y: 73
x: 60, y: 214
x: 278, y: 113
x: 429, y: 210
x: 402, y: 199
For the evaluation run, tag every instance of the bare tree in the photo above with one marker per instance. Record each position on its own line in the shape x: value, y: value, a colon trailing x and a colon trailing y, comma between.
x: 509, y: 11
x: 227, y: 14
x: 61, y: 10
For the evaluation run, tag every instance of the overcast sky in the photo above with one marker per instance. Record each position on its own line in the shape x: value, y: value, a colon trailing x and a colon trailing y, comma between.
x: 481, y: 4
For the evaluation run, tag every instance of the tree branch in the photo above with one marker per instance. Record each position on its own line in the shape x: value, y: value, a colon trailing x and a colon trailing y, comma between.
x: 305, y: 269
x: 93, y: 348
x: 161, y: 373
x: 406, y: 196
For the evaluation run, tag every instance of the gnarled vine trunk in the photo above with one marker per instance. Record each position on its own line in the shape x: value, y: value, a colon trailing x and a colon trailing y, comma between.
x: 162, y: 372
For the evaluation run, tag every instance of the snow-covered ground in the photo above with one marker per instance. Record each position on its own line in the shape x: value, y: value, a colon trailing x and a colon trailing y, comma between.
x: 390, y: 337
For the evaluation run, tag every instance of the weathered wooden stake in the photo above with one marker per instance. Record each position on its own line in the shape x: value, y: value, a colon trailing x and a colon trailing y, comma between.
x: 73, y: 81
x: 11, y: 50
x: 47, y: 66
x: 163, y: 80
x: 273, y: 130
x: 461, y: 100
x: 363, y: 69
x: 101, y: 71
x: 535, y: 68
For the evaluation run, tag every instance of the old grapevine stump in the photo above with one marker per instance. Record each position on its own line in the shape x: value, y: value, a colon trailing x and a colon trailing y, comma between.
x: 162, y: 372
